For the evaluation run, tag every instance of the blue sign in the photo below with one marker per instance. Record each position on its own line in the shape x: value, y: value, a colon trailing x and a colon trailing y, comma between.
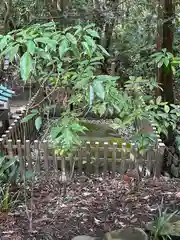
x: 5, y: 93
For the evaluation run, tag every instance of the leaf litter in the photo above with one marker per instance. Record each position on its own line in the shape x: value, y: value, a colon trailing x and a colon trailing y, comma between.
x: 91, y: 207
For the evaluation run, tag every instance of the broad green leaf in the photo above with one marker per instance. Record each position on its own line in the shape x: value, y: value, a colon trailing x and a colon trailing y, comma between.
x: 63, y: 48
x: 38, y: 123
x: 3, y: 42
x: 28, y: 117
x: 107, y: 78
x: 158, y: 100
x: 170, y: 55
x: 78, y: 31
x: 8, y: 49
x: 160, y: 63
x: 102, y: 109
x: 49, y: 24
x: 2, y: 159
x: 7, y: 165
x: 166, y: 62
x: 93, y: 33
x: 97, y: 59
x: 44, y: 55
x: 75, y: 51
x: 71, y: 38
x: 55, y: 131
x: 86, y: 47
x: 173, y: 70
x: 166, y: 108
x: 156, y: 54
x: 103, y: 50
x: 13, y: 52
x: 92, y: 25
x: 25, y: 66
x: 78, y: 128
x: 47, y: 41
x: 158, y: 58
x: 99, y: 89
x: 90, y: 41
x: 67, y: 29
x: 31, y: 47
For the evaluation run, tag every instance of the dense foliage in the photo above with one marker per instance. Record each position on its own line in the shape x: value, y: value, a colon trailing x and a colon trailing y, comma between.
x: 71, y: 58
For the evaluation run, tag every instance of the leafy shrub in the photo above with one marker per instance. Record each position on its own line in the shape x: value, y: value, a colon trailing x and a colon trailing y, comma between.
x: 9, y: 170
x: 69, y: 59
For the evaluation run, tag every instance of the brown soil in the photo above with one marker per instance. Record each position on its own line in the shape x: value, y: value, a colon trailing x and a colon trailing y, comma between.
x: 91, y: 206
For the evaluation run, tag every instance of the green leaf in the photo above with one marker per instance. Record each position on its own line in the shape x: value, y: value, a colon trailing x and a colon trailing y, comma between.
x: 31, y: 47
x: 158, y: 58
x: 92, y: 25
x: 44, y: 54
x: 46, y: 40
x: 170, y: 55
x: 99, y: 89
x: 13, y: 52
x: 103, y: 50
x: 78, y: 30
x: 7, y: 165
x: 158, y: 100
x: 93, y: 33
x: 25, y: 66
x: 86, y: 47
x: 166, y: 62
x: 78, y: 128
x: 102, y: 109
x: 4, y: 42
x: 38, y: 123
x: 75, y: 51
x: 63, y: 48
x: 166, y: 108
x: 95, y: 59
x: 55, y: 131
x: 160, y: 63
x: 90, y: 41
x: 28, y: 117
x: 71, y: 38
x: 2, y: 159
x: 107, y: 78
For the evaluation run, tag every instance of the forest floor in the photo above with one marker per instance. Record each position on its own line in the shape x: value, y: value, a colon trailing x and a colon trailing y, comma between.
x: 91, y: 206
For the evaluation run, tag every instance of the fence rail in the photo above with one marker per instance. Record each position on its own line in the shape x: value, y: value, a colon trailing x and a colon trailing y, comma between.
x: 91, y: 157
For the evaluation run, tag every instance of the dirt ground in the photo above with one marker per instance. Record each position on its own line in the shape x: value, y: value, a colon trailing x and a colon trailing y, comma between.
x: 91, y: 206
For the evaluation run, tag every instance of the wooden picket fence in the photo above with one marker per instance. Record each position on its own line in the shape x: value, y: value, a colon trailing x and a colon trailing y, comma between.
x: 91, y: 157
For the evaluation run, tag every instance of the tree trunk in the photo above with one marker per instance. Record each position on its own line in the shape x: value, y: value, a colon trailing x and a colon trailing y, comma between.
x: 165, y: 40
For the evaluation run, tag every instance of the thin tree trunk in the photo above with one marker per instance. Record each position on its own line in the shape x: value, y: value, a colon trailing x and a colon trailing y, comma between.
x: 165, y: 40
x: 164, y: 76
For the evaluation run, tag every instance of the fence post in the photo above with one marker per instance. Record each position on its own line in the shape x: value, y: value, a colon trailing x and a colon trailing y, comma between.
x: 114, y: 159
x: 20, y: 156
x: 105, y: 158
x: 45, y: 150
x: 88, y: 157
x: 28, y: 154
x: 9, y: 148
x: 97, y: 158
x: 123, y: 159
x: 80, y: 159
x: 159, y: 159
x: 38, y: 156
